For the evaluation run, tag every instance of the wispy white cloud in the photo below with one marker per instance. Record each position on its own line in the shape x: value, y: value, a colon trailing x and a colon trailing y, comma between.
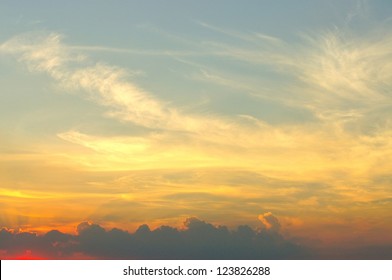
x: 255, y: 37
x: 338, y: 78
x: 176, y: 53
x: 335, y: 73
x: 105, y: 84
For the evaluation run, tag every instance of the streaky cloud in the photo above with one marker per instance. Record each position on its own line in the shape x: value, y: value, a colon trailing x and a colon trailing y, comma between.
x: 106, y: 85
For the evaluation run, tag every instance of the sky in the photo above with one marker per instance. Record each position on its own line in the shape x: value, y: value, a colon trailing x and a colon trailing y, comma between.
x: 266, y: 124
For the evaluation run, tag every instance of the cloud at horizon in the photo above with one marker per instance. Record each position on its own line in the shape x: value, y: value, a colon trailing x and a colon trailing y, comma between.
x: 197, y: 240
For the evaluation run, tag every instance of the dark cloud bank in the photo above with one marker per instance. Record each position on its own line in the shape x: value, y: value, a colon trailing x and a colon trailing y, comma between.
x: 199, y: 240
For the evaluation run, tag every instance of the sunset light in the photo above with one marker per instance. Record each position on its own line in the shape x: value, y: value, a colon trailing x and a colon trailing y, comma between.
x: 196, y: 129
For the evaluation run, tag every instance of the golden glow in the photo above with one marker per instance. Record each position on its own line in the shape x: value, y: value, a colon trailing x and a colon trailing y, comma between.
x: 326, y: 175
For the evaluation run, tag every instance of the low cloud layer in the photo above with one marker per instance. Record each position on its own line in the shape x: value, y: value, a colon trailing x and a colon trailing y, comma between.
x: 198, y: 240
